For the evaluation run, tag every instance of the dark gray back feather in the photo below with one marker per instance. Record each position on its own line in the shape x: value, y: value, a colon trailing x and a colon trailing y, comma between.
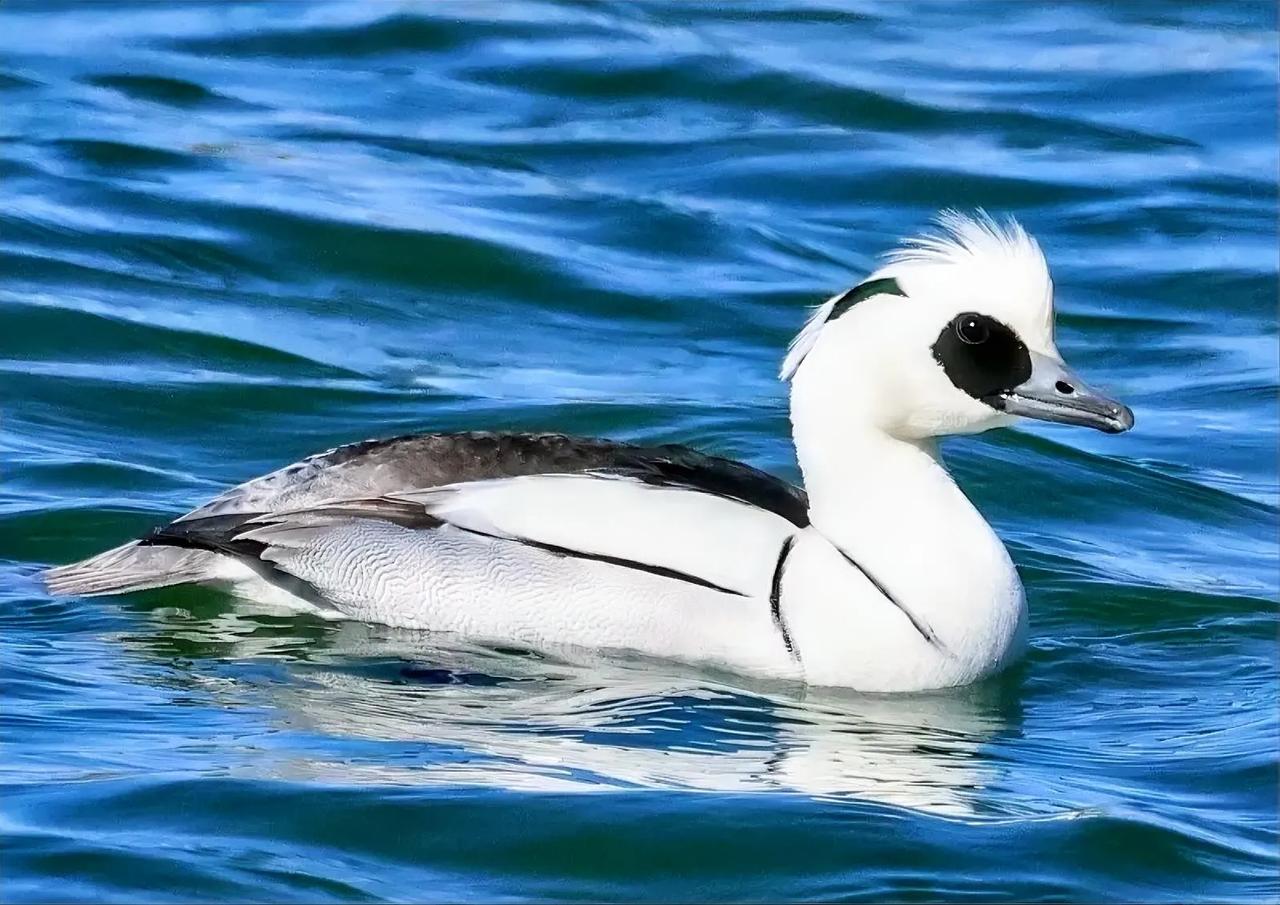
x: 375, y: 468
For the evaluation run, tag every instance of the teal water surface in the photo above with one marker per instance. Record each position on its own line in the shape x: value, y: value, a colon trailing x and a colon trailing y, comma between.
x: 233, y: 234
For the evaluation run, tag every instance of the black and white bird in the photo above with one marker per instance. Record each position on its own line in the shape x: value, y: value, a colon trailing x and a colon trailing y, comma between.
x: 879, y: 575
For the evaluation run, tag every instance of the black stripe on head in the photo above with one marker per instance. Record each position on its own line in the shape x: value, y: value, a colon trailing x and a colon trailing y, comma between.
x: 863, y: 291
x: 982, y: 356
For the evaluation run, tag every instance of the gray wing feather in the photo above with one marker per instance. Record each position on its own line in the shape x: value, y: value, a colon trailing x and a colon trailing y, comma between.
x: 377, y: 468
x: 371, y: 473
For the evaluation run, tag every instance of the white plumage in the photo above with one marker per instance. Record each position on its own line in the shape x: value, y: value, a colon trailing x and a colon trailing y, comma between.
x: 884, y: 577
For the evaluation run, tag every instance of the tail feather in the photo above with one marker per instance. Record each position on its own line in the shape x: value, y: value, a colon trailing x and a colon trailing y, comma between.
x: 131, y: 567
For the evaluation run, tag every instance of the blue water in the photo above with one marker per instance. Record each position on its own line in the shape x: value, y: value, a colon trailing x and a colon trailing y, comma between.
x: 234, y: 234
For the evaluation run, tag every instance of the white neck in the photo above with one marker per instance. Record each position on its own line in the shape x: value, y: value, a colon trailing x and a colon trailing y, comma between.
x: 891, y: 506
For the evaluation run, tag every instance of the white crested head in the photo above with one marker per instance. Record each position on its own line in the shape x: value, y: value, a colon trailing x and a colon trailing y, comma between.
x: 952, y: 334
x: 972, y: 262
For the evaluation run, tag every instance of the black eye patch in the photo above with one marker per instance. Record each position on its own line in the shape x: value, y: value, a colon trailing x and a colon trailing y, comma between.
x: 982, y: 356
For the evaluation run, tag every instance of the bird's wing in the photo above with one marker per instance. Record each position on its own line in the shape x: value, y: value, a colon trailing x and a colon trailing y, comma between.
x: 669, y: 529
x: 413, y: 462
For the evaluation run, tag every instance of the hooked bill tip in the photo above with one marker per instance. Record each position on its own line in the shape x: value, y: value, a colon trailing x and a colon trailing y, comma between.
x: 1122, y: 419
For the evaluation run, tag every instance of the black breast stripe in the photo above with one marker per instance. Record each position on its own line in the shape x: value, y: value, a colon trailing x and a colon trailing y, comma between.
x: 775, y: 594
x: 918, y: 624
x: 557, y: 550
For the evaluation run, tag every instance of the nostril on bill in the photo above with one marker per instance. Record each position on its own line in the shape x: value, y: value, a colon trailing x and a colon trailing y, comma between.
x: 1064, y: 388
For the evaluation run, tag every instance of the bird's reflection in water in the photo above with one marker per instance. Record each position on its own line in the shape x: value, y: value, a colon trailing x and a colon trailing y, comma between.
x: 465, y: 715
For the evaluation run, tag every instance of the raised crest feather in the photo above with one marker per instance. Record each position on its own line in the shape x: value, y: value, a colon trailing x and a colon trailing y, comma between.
x: 976, y: 248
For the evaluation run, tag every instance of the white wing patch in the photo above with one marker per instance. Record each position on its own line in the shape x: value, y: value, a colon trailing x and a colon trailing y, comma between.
x: 723, y: 541
x: 712, y: 539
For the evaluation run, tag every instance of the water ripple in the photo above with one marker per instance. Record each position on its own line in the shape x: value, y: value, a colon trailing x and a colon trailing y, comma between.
x: 234, y: 235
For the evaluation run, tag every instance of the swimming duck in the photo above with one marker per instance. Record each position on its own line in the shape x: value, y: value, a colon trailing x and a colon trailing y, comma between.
x: 879, y: 575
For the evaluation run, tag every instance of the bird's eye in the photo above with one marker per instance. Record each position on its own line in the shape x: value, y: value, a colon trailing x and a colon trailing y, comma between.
x: 982, y: 356
x: 972, y: 329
